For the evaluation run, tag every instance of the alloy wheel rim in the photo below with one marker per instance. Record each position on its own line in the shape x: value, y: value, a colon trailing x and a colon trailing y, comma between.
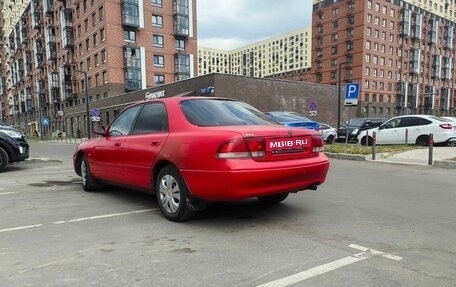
x: 169, y: 194
x: 83, y: 173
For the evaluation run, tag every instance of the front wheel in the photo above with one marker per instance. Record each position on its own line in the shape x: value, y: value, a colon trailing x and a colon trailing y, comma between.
x: 172, y: 195
x: 367, y: 141
x: 88, y: 182
x: 4, y: 159
x: 451, y: 143
x: 273, y: 199
x: 330, y: 139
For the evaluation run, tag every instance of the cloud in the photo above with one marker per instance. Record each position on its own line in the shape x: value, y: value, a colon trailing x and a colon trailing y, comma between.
x: 228, y: 24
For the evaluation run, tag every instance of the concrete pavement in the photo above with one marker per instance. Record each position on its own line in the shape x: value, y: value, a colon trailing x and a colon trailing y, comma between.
x: 441, y: 157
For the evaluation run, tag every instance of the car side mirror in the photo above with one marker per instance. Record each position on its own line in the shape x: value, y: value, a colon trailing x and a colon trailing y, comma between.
x: 99, y: 130
x: 380, y: 127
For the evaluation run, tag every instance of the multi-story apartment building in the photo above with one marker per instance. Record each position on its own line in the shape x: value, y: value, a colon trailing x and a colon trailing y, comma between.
x: 401, y: 52
x: 281, y: 54
x: 61, y: 53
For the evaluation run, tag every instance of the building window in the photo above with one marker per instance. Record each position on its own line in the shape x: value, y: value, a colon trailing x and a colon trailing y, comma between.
x: 369, y: 18
x: 333, y: 75
x: 96, y: 60
x: 95, y: 39
x: 335, y: 25
x: 351, y: 20
x: 367, y: 71
x: 89, y: 66
x: 102, y: 35
x: 157, y: 40
x: 157, y: 3
x: 105, y: 77
x: 94, y: 20
x: 84, y: 5
x: 87, y: 45
x: 97, y: 80
x: 157, y: 20
x: 335, y: 12
x: 369, y: 31
x: 334, y: 50
x: 159, y: 61
x: 333, y: 63
x: 100, y: 14
x: 86, y: 25
x: 79, y: 30
x: 369, y: 4
x: 130, y: 36
x: 180, y: 44
x: 159, y: 79
x: 103, y: 56
x: 368, y: 45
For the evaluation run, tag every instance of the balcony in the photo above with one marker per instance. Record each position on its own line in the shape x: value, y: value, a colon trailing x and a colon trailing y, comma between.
x: 181, y: 18
x: 68, y: 38
x: 182, y: 66
x: 48, y: 6
x: 132, y: 68
x: 130, y: 14
x: 67, y: 84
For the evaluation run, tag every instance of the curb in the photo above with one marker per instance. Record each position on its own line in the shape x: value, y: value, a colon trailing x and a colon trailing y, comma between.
x: 346, y: 156
x: 40, y: 159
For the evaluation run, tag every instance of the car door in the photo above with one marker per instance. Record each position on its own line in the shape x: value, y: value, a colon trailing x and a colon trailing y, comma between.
x: 415, y: 126
x: 106, y: 156
x: 142, y: 147
x: 389, y: 132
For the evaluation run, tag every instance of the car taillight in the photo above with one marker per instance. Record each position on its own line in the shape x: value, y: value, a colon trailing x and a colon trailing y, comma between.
x: 242, y: 148
x: 446, y: 126
x: 317, y: 143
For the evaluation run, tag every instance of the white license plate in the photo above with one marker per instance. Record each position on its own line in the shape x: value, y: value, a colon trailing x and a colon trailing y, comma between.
x: 288, y: 143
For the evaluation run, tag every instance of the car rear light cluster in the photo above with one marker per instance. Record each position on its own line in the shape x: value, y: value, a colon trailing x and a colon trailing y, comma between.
x: 317, y: 143
x: 446, y: 126
x: 243, y: 148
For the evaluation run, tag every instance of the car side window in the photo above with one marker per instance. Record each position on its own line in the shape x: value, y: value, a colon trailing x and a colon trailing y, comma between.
x: 392, y: 124
x: 152, y: 118
x: 122, y: 125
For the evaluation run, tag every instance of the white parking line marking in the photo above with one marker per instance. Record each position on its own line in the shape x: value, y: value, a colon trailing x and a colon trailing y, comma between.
x: 376, y: 252
x: 104, y: 216
x: 6, y: 193
x: 20, y: 228
x: 78, y: 219
x: 315, y: 271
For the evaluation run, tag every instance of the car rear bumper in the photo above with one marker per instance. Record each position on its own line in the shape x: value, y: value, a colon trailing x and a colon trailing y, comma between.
x: 246, y: 183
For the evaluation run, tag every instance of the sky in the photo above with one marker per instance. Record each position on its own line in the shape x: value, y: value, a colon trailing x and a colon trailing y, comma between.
x: 231, y: 24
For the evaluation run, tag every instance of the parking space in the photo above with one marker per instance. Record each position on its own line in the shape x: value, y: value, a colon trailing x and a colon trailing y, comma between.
x: 375, y: 232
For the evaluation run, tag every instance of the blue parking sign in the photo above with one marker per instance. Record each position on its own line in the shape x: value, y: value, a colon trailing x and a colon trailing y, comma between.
x: 351, y: 94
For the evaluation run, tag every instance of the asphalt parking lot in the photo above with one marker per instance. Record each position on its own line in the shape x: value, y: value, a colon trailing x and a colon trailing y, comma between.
x: 370, y: 224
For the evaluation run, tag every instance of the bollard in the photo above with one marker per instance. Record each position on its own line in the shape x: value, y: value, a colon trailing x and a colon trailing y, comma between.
x: 367, y: 137
x: 406, y: 136
x: 374, y: 139
x: 431, y: 148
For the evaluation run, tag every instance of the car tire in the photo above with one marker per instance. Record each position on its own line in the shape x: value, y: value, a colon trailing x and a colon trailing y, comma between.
x: 273, y: 199
x: 172, y: 194
x: 422, y: 141
x: 369, y: 140
x: 451, y: 143
x: 4, y: 159
x: 330, y: 139
x: 88, y: 182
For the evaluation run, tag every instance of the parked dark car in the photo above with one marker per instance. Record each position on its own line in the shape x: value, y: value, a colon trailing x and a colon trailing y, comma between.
x: 13, y: 146
x: 356, y: 126
x: 292, y: 119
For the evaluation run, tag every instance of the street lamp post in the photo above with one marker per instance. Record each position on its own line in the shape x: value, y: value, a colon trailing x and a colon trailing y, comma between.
x: 86, y: 102
x: 40, y: 116
x: 367, y: 109
x: 339, y: 96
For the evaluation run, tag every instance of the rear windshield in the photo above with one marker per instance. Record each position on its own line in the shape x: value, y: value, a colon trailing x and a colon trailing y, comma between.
x: 356, y: 122
x: 222, y: 112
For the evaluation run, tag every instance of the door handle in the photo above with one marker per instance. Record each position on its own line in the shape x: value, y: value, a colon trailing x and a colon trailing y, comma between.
x: 155, y: 143
x: 117, y: 144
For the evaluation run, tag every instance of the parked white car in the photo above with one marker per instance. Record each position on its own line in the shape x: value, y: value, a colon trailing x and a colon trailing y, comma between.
x: 413, y: 129
x: 328, y: 133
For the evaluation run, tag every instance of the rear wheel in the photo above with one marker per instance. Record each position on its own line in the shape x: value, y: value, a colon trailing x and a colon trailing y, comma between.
x: 4, y: 159
x: 330, y: 139
x: 451, y: 143
x: 422, y: 141
x: 172, y: 195
x: 272, y: 199
x: 88, y: 183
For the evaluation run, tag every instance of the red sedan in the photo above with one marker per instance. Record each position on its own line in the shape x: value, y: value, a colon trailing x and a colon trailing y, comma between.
x: 190, y: 150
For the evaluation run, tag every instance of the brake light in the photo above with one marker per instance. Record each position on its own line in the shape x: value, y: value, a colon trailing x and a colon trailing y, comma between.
x: 317, y: 143
x: 446, y: 126
x: 242, y: 148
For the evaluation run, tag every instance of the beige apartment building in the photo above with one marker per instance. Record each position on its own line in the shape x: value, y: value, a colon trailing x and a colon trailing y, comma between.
x: 57, y: 54
x: 401, y: 52
x: 281, y: 54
